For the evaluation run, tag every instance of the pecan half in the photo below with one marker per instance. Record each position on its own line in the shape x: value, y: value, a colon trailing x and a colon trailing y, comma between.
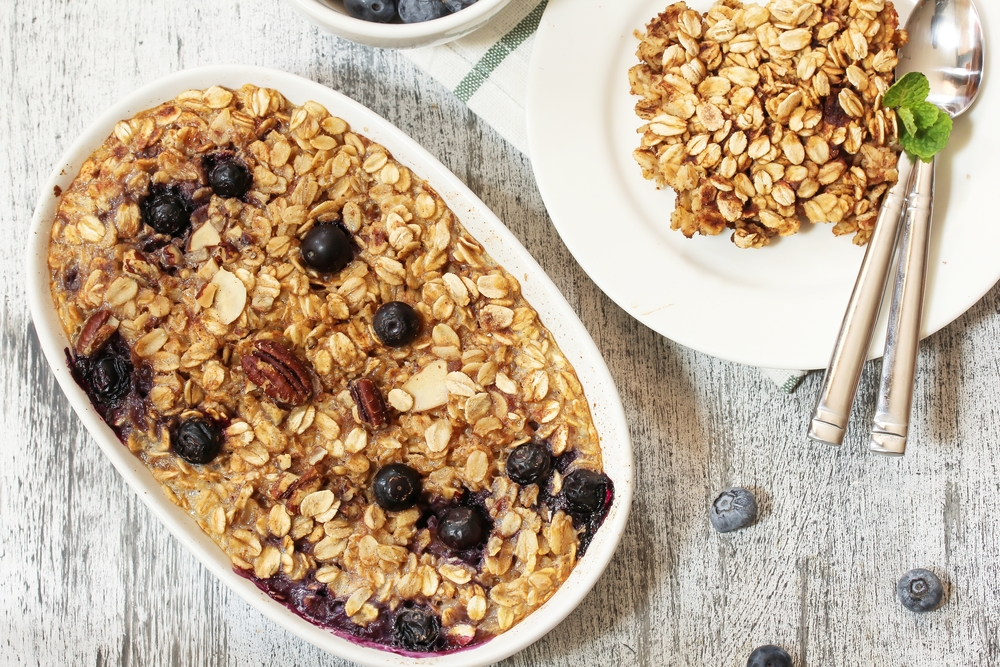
x: 371, y: 405
x: 96, y: 332
x: 276, y: 370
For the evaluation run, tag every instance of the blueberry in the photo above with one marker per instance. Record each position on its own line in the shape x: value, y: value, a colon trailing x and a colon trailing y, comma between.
x: 397, y: 487
x: 530, y: 463
x: 586, y: 491
x: 110, y: 378
x: 396, y: 323
x: 920, y: 590
x: 769, y: 656
x: 229, y: 178
x: 416, y: 629
x: 197, y: 440
x: 463, y: 528
x: 458, y: 5
x: 166, y: 212
x: 734, y: 509
x: 418, y: 11
x: 326, y: 248
x: 380, y: 11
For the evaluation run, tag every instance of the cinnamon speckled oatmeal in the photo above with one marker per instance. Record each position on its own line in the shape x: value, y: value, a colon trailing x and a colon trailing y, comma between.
x: 764, y: 116
x: 325, y: 370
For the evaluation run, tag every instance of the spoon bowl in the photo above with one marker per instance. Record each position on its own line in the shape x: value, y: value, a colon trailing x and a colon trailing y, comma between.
x: 947, y: 46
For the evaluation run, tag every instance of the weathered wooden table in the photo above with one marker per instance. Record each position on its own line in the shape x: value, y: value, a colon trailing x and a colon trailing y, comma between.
x: 87, y: 576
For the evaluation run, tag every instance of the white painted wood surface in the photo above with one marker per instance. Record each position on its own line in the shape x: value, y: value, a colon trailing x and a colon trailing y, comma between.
x: 88, y: 577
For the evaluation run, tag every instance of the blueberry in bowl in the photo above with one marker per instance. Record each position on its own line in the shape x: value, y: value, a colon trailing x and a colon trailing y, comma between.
x: 381, y: 11
x: 417, y: 11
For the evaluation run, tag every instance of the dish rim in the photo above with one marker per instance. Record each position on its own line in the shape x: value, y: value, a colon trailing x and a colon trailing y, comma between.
x: 500, y: 243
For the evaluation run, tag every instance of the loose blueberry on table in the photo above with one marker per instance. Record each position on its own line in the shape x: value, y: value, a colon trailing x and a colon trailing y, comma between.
x: 769, y: 656
x: 330, y: 381
x: 228, y: 177
x: 733, y: 509
x: 920, y: 590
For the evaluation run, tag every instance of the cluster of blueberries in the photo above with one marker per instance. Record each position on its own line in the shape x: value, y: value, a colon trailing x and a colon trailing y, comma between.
x: 397, y: 487
x: 408, y: 11
x: 918, y: 590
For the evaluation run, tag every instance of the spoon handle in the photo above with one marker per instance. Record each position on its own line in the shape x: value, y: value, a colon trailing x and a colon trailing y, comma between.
x: 895, y: 395
x: 829, y: 419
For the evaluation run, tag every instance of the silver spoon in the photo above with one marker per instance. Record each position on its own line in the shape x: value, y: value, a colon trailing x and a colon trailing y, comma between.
x: 946, y: 44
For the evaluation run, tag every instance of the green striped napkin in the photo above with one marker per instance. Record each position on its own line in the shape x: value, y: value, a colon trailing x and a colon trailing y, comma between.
x: 488, y: 70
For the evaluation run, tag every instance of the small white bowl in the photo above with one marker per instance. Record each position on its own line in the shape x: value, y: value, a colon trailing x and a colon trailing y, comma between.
x: 330, y: 15
x: 538, y: 289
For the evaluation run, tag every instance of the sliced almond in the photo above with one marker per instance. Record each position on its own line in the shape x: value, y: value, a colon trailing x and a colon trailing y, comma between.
x: 204, y: 237
x: 231, y: 297
x: 428, y: 387
x: 206, y: 295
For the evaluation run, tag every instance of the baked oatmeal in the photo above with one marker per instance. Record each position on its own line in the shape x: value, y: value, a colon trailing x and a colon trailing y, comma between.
x: 323, y: 368
x: 763, y: 116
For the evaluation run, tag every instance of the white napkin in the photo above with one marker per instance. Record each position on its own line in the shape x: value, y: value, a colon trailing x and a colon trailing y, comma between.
x: 488, y: 70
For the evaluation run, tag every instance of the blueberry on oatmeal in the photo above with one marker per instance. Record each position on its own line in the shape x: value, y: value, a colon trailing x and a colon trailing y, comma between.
x: 463, y: 528
x: 197, y: 440
x: 530, y: 463
x: 380, y: 11
x: 326, y: 248
x: 327, y: 372
x: 166, y: 211
x: 397, y: 487
x: 110, y: 378
x: 396, y: 324
x: 586, y: 491
x: 229, y: 178
x: 416, y: 629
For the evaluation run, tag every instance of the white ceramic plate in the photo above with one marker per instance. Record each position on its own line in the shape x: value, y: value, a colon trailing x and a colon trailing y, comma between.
x: 609, y: 418
x: 779, y: 307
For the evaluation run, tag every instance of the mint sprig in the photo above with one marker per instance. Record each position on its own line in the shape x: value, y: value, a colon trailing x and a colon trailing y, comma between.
x: 924, y: 129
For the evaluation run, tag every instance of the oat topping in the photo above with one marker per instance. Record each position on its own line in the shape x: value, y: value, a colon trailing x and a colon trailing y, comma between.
x: 354, y: 469
x: 762, y: 116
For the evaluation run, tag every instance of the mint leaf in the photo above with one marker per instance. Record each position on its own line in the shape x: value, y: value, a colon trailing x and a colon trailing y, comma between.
x: 926, y: 143
x: 912, y: 88
x: 906, y: 118
x: 923, y: 128
x: 924, y: 114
